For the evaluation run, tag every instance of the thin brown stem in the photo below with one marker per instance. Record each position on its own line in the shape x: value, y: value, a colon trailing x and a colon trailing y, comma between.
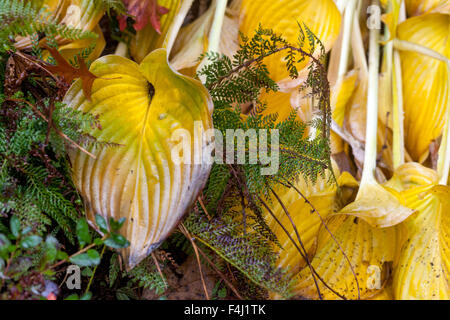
x: 204, y: 208
x: 299, y: 241
x: 159, y: 269
x: 186, y: 233
x: 329, y: 231
x: 75, y: 254
x: 228, y: 283
x: 298, y: 248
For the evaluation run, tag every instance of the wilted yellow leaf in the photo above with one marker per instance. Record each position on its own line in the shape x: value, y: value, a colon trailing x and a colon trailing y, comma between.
x: 140, y: 106
x: 425, y: 85
x: 370, y: 251
x: 321, y: 16
x: 423, y: 268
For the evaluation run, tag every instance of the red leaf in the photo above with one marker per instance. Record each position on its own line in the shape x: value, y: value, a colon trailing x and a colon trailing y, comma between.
x: 143, y: 11
x: 69, y: 73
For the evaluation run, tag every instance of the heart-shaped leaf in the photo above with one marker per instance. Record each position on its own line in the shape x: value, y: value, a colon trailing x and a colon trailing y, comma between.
x: 139, y: 108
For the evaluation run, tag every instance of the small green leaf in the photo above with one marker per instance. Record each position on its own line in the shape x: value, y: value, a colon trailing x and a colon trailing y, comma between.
x: 30, y: 242
x: 51, y: 250
x: 101, y: 223
x: 14, y: 225
x: 26, y: 230
x: 83, y: 234
x: 61, y: 255
x: 90, y: 258
x: 4, y: 244
x: 116, y: 225
x: 72, y: 297
x: 86, y: 272
x: 117, y: 241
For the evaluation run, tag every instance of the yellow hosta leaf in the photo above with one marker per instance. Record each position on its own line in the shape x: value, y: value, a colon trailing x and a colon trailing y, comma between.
x: 412, y: 174
x: 340, y: 96
x: 321, y: 16
x: 147, y: 39
x: 424, y: 263
x: 325, y: 198
x: 379, y: 206
x: 140, y: 106
x: 278, y: 102
x: 385, y: 294
x: 418, y: 7
x: 425, y: 87
x: 370, y: 251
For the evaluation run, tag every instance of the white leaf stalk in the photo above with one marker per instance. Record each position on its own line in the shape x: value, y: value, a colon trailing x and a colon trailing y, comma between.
x: 215, y: 32
x: 216, y: 28
x: 176, y: 25
x: 370, y: 155
x: 346, y: 36
x: 122, y: 49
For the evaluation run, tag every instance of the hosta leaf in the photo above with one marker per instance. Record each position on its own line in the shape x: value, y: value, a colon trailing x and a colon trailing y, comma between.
x: 323, y: 196
x: 425, y: 87
x: 370, y: 251
x: 280, y: 103
x: 148, y: 39
x: 423, y: 271
x: 418, y: 7
x: 424, y: 262
x: 379, y: 206
x: 140, y: 106
x: 321, y: 16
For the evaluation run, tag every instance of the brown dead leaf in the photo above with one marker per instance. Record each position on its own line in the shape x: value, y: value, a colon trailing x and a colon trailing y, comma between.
x: 69, y: 73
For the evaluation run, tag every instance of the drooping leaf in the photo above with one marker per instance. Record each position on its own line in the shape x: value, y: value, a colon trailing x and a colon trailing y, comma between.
x: 140, y: 179
x: 424, y: 261
x: 193, y: 39
x: 371, y: 252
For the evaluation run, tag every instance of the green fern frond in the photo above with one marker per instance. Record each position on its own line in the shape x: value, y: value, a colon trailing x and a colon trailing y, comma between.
x: 26, y: 18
